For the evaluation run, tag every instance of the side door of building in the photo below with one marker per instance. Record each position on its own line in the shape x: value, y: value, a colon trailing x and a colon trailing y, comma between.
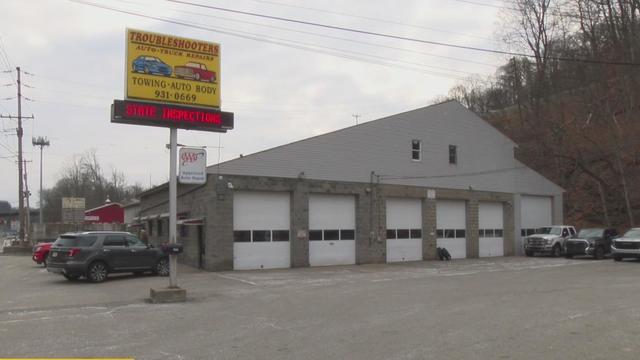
x: 140, y: 255
x: 115, y: 251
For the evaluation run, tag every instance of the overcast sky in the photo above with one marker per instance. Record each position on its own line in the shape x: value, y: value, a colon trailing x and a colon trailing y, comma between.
x: 279, y: 93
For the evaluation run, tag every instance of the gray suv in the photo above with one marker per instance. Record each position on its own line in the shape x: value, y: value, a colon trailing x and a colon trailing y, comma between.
x: 628, y: 245
x: 95, y: 254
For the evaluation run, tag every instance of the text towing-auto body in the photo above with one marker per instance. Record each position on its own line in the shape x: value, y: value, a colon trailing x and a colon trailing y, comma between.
x: 628, y: 245
x: 548, y: 240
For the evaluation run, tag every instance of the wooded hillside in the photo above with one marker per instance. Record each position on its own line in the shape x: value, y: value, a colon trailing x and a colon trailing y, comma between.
x: 573, y: 104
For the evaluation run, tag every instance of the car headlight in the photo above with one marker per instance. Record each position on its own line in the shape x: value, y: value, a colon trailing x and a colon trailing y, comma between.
x: 592, y: 242
x: 549, y: 241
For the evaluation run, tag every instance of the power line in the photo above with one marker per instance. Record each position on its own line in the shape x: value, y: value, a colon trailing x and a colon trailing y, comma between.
x: 291, y: 44
x: 369, y: 18
x: 74, y: 93
x: 9, y: 149
x: 93, y: 85
x: 4, y: 57
x: 397, y: 37
x: 331, y: 37
x: 486, y: 5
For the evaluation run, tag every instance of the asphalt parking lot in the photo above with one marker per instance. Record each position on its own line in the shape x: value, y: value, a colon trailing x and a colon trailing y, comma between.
x: 500, y: 308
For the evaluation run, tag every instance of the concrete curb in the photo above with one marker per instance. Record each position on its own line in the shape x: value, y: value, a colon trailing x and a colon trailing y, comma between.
x: 167, y: 295
x: 16, y: 251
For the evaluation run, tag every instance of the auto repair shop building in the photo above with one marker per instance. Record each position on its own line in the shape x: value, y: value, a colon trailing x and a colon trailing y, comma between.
x: 387, y: 190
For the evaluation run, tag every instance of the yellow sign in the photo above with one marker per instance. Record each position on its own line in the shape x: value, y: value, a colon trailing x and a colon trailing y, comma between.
x: 171, y: 69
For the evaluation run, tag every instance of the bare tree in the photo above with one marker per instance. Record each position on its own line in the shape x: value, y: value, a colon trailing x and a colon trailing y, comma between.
x: 84, y: 177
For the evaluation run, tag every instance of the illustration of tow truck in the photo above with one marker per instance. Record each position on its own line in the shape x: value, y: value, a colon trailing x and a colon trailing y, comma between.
x: 195, y: 71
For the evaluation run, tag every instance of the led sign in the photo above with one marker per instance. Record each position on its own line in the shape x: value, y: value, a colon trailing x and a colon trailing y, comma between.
x: 167, y: 115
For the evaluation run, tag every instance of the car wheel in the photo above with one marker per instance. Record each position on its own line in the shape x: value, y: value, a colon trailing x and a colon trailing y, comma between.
x: 598, y: 253
x: 44, y: 262
x: 146, y: 70
x: 528, y: 253
x: 617, y: 258
x: 556, y: 251
x: 71, y: 277
x: 162, y: 267
x: 197, y: 77
x: 97, y: 272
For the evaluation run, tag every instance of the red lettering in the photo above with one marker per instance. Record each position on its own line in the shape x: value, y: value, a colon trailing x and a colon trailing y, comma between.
x: 147, y: 111
x: 179, y: 115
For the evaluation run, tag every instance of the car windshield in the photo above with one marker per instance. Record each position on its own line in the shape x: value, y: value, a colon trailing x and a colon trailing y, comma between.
x: 550, y: 230
x: 543, y: 230
x: 633, y: 233
x: 588, y: 233
x: 75, y: 241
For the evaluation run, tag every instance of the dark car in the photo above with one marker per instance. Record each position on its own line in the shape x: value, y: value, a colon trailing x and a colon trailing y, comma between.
x: 594, y: 242
x: 628, y: 245
x: 95, y: 254
x: 151, y: 65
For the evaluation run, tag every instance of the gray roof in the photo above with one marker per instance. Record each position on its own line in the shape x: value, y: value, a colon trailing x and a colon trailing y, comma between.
x: 485, y: 155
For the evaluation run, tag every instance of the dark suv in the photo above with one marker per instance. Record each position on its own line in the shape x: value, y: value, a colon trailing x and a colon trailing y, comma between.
x: 594, y: 242
x: 95, y: 254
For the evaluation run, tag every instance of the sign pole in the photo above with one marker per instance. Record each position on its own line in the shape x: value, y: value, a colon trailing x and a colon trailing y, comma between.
x: 173, y: 210
x: 173, y: 82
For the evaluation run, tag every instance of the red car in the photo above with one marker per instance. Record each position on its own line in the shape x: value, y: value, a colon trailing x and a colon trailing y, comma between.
x: 195, y: 71
x: 40, y: 252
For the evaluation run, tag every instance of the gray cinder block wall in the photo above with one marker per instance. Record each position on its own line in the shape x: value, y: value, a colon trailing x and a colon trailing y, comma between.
x: 214, y: 203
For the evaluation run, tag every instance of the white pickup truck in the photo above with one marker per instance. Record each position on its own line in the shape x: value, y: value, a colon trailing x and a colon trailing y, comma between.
x: 548, y: 240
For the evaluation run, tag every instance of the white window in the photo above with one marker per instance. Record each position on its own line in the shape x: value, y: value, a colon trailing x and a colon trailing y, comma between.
x: 416, y: 150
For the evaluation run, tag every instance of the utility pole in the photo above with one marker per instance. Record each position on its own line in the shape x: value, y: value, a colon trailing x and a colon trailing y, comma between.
x: 42, y: 142
x: 356, y: 116
x: 21, y: 213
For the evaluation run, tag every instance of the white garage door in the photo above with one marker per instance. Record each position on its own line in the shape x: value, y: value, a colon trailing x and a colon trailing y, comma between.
x: 404, y: 229
x: 261, y: 230
x: 451, y: 227
x: 332, y: 229
x: 535, y: 212
x: 490, y: 229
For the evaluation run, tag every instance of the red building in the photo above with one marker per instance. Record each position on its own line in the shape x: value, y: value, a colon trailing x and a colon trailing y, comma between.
x: 108, y: 213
